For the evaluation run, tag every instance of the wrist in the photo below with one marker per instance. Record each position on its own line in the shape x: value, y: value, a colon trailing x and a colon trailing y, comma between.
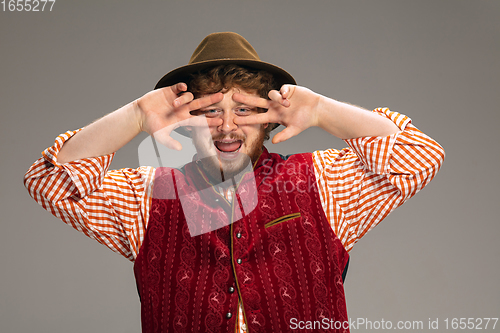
x: 136, y: 115
x: 324, y: 109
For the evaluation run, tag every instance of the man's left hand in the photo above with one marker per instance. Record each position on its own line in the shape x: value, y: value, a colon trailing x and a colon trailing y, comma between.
x: 291, y: 106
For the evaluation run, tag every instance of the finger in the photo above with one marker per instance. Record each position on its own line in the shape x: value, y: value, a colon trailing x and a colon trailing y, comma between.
x: 199, y: 122
x: 178, y: 88
x: 261, y: 118
x: 284, y: 90
x: 183, y: 99
x: 275, y: 96
x: 285, y: 134
x: 205, y: 101
x: 287, y: 90
x: 251, y: 100
x: 214, y: 122
x: 171, y: 143
x: 163, y: 137
x: 193, y: 121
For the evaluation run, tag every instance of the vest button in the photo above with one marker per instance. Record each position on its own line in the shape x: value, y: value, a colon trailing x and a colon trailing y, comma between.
x: 231, y: 289
x: 229, y: 315
x: 239, y: 261
x: 238, y: 235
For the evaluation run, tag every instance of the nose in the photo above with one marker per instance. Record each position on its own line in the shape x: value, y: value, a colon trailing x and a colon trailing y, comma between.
x: 228, y: 124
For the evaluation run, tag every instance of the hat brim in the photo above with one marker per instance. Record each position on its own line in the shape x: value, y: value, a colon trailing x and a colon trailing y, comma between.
x: 183, y: 74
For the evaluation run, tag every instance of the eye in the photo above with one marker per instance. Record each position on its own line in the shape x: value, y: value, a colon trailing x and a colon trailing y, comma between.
x: 211, y: 113
x: 244, y: 111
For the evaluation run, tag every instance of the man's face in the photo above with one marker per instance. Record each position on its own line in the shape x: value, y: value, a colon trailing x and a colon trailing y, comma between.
x: 228, y: 148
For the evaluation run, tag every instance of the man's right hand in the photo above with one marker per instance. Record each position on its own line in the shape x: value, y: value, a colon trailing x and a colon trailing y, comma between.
x: 165, y: 109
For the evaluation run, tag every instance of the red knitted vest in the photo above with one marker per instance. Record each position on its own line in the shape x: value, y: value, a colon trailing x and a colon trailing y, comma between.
x: 281, y: 260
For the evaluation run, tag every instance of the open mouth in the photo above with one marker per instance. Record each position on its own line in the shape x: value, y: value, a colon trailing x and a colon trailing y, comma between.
x: 228, y: 146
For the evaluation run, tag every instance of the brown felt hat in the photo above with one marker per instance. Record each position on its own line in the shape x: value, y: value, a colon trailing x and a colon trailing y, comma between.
x: 223, y: 48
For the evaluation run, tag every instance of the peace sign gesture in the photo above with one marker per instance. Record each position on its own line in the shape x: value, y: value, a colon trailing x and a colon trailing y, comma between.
x: 292, y: 106
x: 165, y: 109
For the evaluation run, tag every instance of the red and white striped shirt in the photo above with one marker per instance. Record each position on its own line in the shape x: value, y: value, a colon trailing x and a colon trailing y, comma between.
x: 359, y: 186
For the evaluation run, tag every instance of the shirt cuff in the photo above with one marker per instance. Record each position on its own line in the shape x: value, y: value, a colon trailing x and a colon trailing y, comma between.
x: 375, y: 152
x: 87, y: 174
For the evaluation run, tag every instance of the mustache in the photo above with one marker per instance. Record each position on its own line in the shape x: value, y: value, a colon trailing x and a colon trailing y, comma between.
x: 221, y: 137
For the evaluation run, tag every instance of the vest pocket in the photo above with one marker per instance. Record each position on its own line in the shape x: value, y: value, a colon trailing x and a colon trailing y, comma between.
x: 282, y: 219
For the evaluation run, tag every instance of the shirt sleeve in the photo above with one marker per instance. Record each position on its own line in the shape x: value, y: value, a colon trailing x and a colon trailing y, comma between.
x: 360, y: 185
x: 108, y: 206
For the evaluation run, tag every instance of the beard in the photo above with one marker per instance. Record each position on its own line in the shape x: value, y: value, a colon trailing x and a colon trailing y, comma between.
x: 221, y: 169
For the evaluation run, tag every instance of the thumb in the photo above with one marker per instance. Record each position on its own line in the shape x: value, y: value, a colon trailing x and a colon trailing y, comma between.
x: 163, y: 137
x: 285, y: 134
x: 287, y: 91
x: 276, y: 96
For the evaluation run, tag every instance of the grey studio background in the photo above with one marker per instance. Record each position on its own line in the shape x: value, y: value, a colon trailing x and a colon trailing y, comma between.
x: 435, y: 61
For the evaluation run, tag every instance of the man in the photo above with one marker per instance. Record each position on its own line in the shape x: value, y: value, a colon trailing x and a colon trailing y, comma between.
x: 240, y: 239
